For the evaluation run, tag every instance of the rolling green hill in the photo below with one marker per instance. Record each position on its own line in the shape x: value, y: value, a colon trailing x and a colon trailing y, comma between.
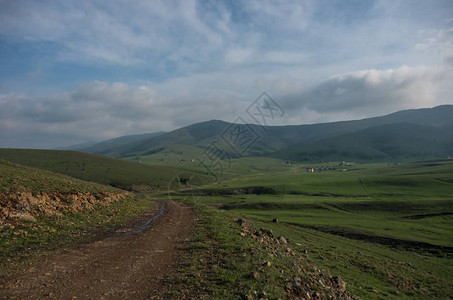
x: 400, y: 141
x: 293, y: 139
x: 95, y: 168
x: 17, y: 177
x: 103, y: 147
x: 191, y: 135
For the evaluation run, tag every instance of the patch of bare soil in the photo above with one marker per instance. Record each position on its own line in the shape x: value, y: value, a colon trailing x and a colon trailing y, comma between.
x: 120, y: 266
x: 22, y: 205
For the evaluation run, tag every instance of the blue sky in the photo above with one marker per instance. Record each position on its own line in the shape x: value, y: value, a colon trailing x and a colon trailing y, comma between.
x: 75, y: 71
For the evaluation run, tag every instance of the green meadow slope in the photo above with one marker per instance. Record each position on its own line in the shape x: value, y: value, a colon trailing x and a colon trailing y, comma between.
x: 103, y: 148
x: 15, y: 177
x: 387, y: 230
x: 115, y: 172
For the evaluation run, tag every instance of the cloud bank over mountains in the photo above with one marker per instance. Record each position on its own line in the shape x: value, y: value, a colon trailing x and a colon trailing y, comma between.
x: 91, y: 70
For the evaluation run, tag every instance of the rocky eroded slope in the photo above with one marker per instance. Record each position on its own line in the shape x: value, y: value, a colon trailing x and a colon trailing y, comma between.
x: 27, y: 193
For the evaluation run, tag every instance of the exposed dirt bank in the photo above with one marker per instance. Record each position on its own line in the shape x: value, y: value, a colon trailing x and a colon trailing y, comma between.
x: 120, y: 266
x: 26, y: 206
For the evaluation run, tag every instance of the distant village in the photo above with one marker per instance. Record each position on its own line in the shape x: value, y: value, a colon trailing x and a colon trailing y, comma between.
x: 323, y: 168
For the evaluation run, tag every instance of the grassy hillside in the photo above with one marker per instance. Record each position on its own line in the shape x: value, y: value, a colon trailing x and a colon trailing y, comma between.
x: 17, y: 177
x: 95, y: 168
x: 393, y: 142
x: 427, y: 180
x: 178, y: 156
x: 104, y: 147
x: 282, y: 138
x: 387, y: 230
x: 188, y: 158
x: 190, y: 135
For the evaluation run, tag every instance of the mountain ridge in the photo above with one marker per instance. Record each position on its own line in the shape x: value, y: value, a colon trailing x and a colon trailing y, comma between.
x: 275, y: 139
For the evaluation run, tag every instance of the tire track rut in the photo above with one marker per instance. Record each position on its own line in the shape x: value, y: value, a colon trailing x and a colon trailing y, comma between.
x: 129, y: 264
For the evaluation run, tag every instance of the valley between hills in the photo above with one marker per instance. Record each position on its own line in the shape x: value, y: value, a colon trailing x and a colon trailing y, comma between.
x: 346, y: 210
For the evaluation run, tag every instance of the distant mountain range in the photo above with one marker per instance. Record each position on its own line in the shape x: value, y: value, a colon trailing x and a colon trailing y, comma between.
x: 405, y: 135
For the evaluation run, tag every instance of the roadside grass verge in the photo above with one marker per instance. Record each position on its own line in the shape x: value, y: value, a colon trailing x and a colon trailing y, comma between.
x: 385, y: 229
x: 372, y: 270
x: 221, y: 262
x: 377, y: 250
x: 224, y: 263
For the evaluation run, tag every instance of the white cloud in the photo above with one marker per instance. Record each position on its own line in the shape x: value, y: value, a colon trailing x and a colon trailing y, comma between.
x: 180, y: 62
x: 437, y: 42
x: 195, y: 36
x: 100, y: 110
x: 121, y: 33
x: 374, y: 92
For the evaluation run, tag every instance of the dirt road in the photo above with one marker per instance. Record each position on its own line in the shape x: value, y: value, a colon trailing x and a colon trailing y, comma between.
x: 121, y: 266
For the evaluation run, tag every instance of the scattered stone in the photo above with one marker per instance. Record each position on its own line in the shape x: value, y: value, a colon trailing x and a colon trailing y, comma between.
x: 282, y: 240
x: 302, y: 280
x: 26, y: 217
x: 339, y: 283
x: 246, y: 225
x: 265, y: 232
x: 290, y: 251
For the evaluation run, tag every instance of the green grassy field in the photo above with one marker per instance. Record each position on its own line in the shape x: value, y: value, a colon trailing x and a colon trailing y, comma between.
x: 17, y: 177
x: 116, y: 172
x: 386, y: 229
x: 184, y: 157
